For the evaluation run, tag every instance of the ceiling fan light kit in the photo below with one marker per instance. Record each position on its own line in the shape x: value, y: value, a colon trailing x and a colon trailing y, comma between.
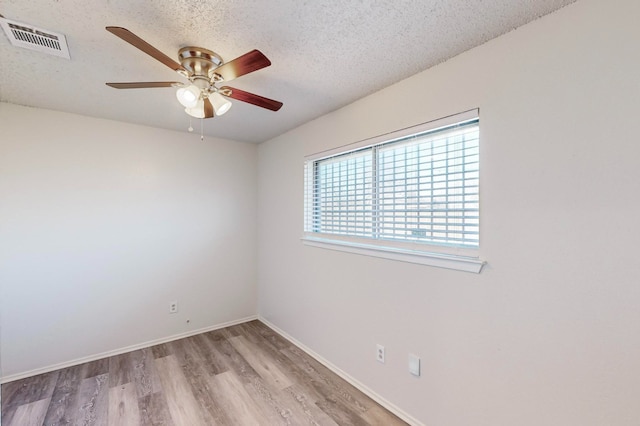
x: 220, y: 104
x: 204, y: 69
x: 188, y: 96
x: 197, y: 111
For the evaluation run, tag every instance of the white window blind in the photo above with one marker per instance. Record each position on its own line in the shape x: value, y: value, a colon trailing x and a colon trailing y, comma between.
x: 421, y: 187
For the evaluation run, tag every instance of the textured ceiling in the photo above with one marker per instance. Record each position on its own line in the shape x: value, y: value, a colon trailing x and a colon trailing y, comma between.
x: 325, y: 54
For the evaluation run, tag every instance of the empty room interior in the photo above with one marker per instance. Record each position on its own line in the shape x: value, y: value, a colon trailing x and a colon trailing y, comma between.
x: 372, y: 212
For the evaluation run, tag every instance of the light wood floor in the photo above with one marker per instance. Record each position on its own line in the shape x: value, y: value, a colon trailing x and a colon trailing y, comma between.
x: 241, y: 375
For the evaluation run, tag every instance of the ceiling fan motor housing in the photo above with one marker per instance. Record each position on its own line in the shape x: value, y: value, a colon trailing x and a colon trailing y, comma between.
x: 199, y: 62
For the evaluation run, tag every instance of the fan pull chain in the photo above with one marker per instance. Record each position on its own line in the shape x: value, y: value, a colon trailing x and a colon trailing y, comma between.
x: 190, y: 129
x: 202, y: 129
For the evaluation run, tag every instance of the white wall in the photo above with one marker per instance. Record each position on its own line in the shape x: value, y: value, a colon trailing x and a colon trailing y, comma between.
x: 549, y: 332
x: 102, y: 224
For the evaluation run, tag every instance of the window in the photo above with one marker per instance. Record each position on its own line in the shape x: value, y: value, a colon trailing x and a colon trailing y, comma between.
x: 414, y: 191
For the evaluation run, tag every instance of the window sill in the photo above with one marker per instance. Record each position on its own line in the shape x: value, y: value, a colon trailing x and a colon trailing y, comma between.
x: 447, y: 261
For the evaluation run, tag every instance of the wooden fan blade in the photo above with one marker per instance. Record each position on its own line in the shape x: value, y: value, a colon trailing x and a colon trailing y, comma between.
x: 251, y: 98
x: 242, y: 65
x: 145, y: 85
x: 136, y: 41
x: 208, y: 108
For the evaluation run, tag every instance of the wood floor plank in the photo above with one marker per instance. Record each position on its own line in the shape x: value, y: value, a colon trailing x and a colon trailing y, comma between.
x: 341, y: 413
x: 270, y: 347
x: 280, y: 407
x: 214, y: 335
x: 325, y: 383
x: 253, y: 382
x: 236, y: 401
x: 143, y: 372
x: 92, y: 405
x: 299, y: 373
x: 31, y: 414
x: 7, y: 415
x: 183, y: 407
x: 261, y: 363
x: 274, y: 404
x: 377, y: 415
x: 154, y: 410
x: 160, y: 351
x: 298, y: 396
x: 228, y: 332
x: 267, y: 401
x: 119, y: 369
x: 97, y: 367
x: 266, y: 334
x: 65, y: 394
x: 29, y: 390
x: 236, y: 361
x: 123, y: 405
x: 214, y: 362
x: 194, y: 370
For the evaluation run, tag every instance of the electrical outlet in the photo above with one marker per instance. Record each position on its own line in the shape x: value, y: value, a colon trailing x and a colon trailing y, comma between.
x: 173, y: 307
x: 380, y: 353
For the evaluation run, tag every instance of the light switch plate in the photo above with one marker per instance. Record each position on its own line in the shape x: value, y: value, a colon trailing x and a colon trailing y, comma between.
x: 414, y: 365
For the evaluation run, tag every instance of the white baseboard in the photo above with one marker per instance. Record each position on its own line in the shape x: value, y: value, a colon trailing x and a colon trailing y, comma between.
x: 361, y: 387
x: 119, y: 351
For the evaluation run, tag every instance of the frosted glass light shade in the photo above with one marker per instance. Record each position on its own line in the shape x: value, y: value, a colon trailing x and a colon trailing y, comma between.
x: 197, y: 110
x: 220, y: 104
x: 188, y: 96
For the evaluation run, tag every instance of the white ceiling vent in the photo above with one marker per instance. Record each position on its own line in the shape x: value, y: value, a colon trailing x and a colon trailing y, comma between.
x: 38, y: 39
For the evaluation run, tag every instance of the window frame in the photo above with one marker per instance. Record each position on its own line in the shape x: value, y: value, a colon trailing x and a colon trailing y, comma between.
x: 426, y: 253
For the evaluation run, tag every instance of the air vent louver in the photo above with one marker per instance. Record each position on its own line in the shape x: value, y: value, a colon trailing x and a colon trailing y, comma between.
x: 33, y: 38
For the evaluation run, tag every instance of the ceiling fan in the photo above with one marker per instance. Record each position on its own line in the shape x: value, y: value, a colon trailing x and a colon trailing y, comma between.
x: 205, y: 70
